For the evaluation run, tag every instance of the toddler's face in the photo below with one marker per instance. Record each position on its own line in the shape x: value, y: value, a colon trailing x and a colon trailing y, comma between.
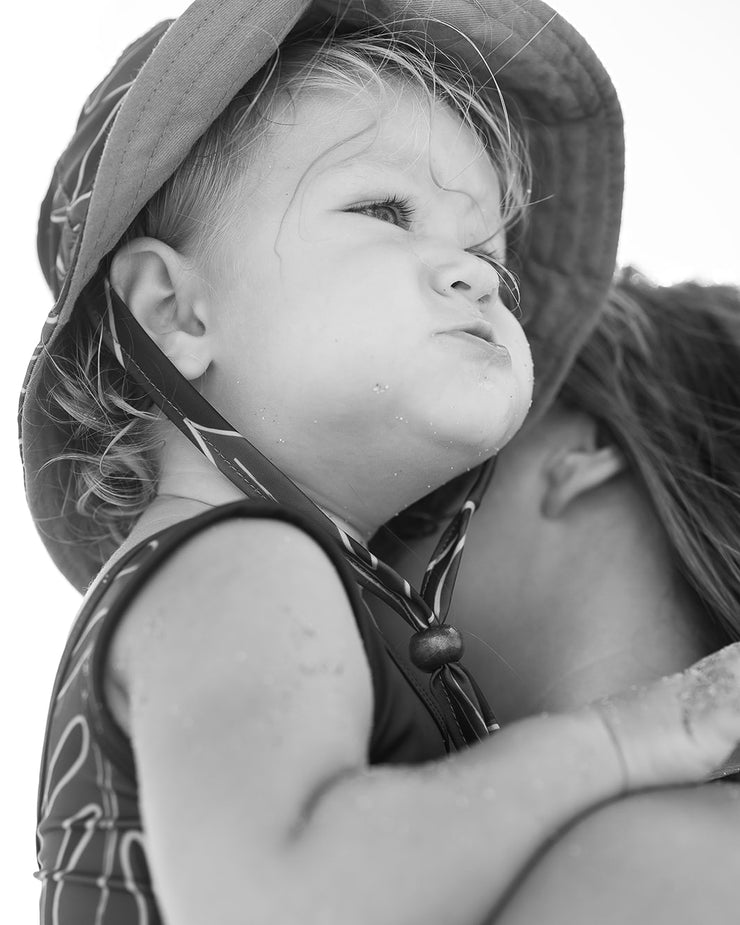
x: 356, y: 320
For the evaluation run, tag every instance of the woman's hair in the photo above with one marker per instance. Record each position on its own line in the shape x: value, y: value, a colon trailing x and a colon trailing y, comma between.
x: 661, y: 373
x: 113, y: 448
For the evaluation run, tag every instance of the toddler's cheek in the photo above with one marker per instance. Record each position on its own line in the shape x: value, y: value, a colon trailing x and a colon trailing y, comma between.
x: 521, y: 356
x: 523, y: 374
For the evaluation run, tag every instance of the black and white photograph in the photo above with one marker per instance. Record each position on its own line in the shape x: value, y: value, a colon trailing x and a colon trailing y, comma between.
x: 372, y: 402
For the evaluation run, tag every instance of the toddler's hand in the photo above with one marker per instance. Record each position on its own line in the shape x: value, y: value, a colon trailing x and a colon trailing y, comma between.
x: 681, y: 728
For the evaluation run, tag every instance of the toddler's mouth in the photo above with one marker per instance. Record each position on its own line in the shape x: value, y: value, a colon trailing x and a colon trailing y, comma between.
x: 480, y: 331
x: 475, y: 327
x: 483, y: 330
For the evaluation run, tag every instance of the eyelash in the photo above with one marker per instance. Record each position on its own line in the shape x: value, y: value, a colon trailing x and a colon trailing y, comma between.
x: 403, y: 208
x: 405, y: 213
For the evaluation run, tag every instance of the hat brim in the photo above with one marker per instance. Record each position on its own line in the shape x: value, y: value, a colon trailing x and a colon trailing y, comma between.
x: 562, y: 94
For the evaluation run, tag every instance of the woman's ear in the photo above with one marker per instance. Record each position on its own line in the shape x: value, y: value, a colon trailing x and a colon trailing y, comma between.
x: 165, y: 296
x: 582, y: 463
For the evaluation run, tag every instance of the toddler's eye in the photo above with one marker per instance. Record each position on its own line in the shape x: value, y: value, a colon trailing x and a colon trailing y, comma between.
x: 393, y: 210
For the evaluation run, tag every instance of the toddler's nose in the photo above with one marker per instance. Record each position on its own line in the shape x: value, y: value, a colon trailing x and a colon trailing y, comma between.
x: 467, y: 274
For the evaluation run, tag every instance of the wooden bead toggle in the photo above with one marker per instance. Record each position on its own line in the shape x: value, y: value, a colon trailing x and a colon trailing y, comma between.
x: 437, y: 646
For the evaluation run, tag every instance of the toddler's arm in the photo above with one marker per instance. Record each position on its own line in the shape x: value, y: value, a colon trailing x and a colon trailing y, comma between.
x: 665, y: 856
x: 249, y: 708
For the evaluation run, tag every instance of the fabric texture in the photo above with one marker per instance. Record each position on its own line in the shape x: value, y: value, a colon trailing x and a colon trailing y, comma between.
x: 167, y: 88
x: 91, y: 851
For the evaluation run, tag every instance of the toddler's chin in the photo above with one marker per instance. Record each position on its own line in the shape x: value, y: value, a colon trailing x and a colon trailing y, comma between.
x: 493, y: 433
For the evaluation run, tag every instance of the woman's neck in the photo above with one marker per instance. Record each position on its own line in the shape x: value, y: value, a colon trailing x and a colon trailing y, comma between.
x: 593, y: 606
x: 613, y: 611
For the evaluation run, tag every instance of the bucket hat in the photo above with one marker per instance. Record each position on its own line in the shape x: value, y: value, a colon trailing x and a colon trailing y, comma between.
x: 169, y: 86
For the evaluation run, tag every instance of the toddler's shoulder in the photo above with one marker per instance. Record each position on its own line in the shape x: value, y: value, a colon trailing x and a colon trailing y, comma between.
x: 242, y: 548
x: 263, y: 584
x: 247, y: 550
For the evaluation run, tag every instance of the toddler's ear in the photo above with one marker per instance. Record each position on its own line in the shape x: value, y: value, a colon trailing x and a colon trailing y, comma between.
x: 166, y: 297
x: 582, y: 463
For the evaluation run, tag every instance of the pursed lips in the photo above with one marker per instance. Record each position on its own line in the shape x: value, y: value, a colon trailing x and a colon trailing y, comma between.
x: 477, y: 328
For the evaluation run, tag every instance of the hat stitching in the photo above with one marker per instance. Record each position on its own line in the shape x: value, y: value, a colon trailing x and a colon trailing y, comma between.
x: 175, y: 110
x: 226, y: 95
x: 97, y: 96
x: 528, y: 41
x: 175, y: 56
x: 525, y: 36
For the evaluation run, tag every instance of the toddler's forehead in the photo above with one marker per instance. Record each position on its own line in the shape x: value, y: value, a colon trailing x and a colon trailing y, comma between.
x: 393, y: 124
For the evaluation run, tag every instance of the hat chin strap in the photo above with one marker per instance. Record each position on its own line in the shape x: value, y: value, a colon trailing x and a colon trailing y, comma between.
x: 436, y: 646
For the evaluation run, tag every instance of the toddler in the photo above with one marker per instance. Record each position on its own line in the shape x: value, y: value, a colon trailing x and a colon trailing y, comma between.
x: 278, y: 242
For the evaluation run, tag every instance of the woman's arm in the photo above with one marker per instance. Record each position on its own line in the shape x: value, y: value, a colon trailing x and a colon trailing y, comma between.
x: 667, y: 857
x: 249, y: 707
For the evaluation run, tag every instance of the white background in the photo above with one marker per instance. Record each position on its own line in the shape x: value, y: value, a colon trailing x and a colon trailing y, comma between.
x: 675, y: 65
